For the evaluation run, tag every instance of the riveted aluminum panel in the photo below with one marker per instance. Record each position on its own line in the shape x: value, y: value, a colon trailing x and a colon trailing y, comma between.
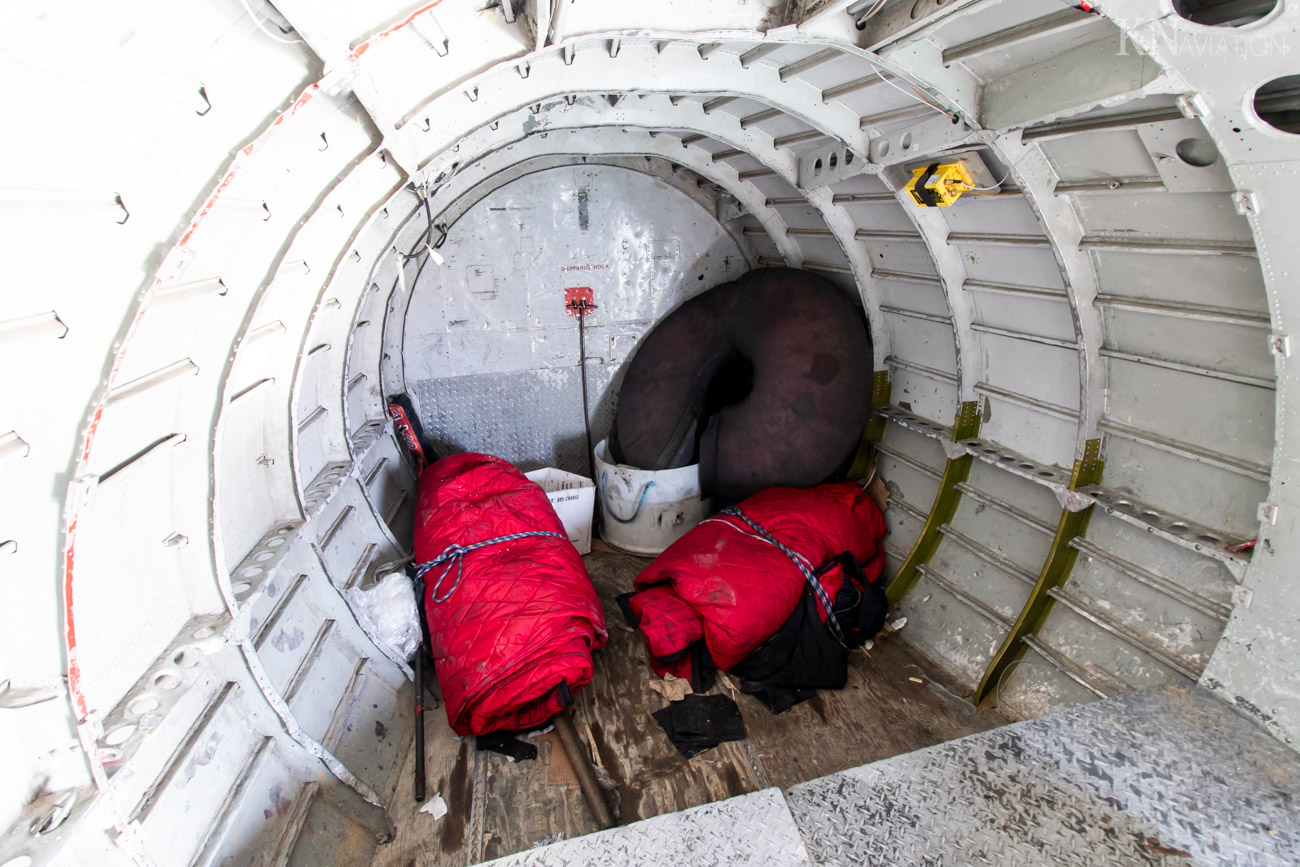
x: 953, y: 633
x: 1220, y: 498
x: 920, y: 390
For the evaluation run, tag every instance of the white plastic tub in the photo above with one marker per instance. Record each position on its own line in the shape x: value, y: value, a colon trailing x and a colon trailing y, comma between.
x: 645, y: 511
x: 573, y: 498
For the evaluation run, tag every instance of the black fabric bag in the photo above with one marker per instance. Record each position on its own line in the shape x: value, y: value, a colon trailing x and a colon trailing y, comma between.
x: 804, y: 655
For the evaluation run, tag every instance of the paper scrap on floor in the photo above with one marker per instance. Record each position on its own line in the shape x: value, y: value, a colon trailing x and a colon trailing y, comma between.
x: 435, y: 807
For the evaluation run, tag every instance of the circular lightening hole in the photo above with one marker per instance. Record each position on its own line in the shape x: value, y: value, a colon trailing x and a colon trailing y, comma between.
x: 1197, y: 152
x: 187, y: 658
x: 1223, y: 13
x: 142, y: 705
x: 119, y: 735
x: 1278, y: 103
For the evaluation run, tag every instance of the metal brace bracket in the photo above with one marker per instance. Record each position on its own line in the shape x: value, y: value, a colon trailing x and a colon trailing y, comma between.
x: 1192, y: 105
x: 1056, y: 570
x: 1246, y: 203
x: 966, y: 426
x: 431, y: 32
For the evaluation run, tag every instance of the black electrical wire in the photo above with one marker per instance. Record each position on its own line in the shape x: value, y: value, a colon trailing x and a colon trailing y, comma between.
x: 582, y: 364
x: 426, y: 237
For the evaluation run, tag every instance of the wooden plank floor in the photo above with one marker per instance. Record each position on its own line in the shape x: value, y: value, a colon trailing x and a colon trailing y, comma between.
x: 893, y: 704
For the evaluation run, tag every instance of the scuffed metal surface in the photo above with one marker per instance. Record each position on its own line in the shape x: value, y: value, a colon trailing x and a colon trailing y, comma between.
x: 1139, y: 779
x: 490, y: 353
x: 752, y: 829
x: 531, y: 418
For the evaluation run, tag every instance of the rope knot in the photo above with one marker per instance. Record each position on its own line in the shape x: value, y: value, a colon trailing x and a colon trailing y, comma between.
x: 454, y: 556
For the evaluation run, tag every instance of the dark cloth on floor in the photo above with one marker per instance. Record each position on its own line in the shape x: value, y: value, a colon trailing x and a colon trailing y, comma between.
x: 777, y: 699
x: 701, y: 722
x: 507, y: 744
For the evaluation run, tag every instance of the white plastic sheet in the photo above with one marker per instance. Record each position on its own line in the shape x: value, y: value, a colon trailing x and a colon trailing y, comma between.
x: 388, y: 612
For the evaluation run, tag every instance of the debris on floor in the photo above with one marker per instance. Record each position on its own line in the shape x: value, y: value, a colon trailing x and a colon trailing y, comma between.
x: 557, y: 837
x: 879, y: 490
x: 559, y: 771
x: 671, y: 687
x: 701, y: 722
x: 1154, y: 846
x: 435, y: 807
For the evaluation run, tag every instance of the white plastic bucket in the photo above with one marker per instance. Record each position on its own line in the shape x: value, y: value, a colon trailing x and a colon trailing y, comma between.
x: 645, y: 511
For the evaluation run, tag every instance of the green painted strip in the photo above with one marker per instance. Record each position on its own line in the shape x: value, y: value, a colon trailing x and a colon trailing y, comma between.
x: 966, y: 426
x: 865, y: 458
x: 1055, y: 572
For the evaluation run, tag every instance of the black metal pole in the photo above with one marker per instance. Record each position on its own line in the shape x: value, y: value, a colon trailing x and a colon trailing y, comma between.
x: 586, y: 413
x: 419, y: 722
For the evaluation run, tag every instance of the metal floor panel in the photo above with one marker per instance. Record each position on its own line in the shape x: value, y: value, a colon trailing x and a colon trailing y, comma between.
x: 752, y: 829
x: 1165, y: 776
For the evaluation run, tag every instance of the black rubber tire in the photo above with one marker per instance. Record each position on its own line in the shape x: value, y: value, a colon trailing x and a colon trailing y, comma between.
x: 811, y: 398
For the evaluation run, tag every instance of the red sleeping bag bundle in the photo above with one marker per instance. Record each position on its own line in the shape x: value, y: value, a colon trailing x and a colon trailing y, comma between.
x: 513, y: 617
x: 727, y: 595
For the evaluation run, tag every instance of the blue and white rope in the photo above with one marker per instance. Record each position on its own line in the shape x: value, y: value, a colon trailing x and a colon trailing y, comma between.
x: 454, y: 555
x: 798, y: 560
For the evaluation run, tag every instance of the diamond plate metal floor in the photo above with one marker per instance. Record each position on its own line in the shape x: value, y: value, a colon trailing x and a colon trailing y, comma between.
x: 1173, y: 776
x: 753, y: 829
x: 1169, y: 776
